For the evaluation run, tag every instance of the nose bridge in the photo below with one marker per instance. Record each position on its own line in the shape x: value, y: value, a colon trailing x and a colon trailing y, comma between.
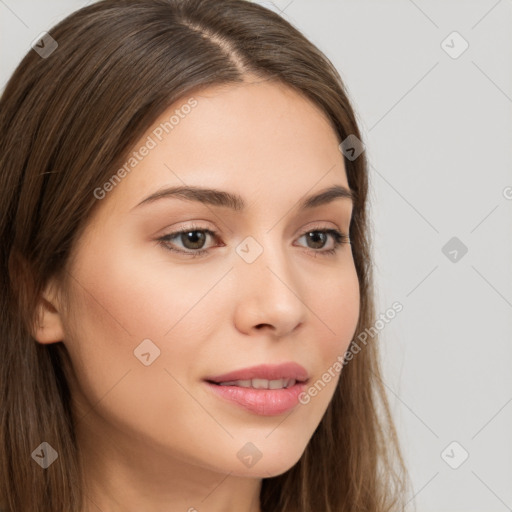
x: 263, y: 256
x: 269, y: 291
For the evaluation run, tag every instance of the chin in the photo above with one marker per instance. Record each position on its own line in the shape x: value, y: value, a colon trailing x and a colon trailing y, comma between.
x: 268, y: 469
x: 264, y: 462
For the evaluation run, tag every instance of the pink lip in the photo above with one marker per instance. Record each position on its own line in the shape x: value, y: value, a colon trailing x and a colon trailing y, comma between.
x: 288, y: 370
x: 265, y: 402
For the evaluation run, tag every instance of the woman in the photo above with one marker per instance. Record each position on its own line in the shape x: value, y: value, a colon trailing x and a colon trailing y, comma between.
x: 185, y: 266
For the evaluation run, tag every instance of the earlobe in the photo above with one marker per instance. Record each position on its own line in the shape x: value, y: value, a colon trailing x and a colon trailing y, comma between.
x: 48, y: 327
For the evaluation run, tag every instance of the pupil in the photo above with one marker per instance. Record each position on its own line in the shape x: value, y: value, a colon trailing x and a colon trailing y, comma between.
x: 317, y: 235
x: 195, y: 237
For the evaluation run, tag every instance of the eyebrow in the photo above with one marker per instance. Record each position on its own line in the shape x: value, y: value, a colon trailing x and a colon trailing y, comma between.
x: 226, y: 199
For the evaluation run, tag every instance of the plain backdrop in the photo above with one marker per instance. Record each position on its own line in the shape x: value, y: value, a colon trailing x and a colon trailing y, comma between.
x: 431, y: 82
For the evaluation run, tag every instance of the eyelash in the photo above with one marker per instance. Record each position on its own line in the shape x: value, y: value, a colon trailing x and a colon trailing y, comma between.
x: 339, y: 239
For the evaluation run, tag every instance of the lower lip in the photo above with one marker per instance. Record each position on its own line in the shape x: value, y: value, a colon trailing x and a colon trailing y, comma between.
x: 265, y: 402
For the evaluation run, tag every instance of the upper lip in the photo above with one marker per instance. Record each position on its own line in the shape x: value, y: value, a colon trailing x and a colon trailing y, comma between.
x: 288, y: 370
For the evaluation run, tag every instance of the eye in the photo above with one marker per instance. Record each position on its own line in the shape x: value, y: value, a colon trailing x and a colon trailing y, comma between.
x: 193, y: 240
x: 319, y: 238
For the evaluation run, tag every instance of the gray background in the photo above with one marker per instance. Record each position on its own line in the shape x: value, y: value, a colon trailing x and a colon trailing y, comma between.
x: 438, y: 133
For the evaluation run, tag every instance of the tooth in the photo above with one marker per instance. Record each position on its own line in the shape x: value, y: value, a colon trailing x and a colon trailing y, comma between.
x: 276, y: 384
x: 228, y: 383
x: 260, y: 383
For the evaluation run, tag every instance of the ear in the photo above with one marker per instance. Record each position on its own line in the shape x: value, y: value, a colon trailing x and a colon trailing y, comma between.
x: 48, y: 326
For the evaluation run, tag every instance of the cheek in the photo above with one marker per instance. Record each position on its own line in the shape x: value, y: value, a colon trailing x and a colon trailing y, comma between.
x: 122, y: 298
x: 136, y: 296
x: 114, y: 316
x: 339, y: 306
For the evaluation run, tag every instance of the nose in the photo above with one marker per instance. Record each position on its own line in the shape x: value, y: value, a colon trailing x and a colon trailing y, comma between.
x: 269, y: 294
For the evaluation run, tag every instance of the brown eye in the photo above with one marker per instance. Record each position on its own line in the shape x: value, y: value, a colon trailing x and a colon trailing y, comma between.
x: 190, y: 241
x: 318, y: 238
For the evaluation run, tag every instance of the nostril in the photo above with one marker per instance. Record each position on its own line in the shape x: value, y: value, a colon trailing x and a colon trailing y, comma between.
x: 260, y: 326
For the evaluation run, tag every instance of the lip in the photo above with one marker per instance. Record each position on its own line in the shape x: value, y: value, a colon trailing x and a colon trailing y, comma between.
x: 265, y: 402
x: 289, y: 370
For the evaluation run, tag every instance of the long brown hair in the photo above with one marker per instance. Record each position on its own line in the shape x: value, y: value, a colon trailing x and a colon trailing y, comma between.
x: 66, y: 122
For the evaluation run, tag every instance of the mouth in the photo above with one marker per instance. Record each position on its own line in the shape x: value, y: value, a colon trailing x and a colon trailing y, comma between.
x: 263, y: 376
x: 264, y: 390
x: 260, y: 383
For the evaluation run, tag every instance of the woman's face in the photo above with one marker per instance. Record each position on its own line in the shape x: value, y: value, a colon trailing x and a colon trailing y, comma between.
x: 150, y: 321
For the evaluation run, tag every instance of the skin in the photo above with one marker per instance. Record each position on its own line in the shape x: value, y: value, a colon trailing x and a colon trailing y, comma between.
x: 154, y: 438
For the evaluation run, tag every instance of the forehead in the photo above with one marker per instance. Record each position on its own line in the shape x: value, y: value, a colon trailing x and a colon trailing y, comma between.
x: 260, y: 137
